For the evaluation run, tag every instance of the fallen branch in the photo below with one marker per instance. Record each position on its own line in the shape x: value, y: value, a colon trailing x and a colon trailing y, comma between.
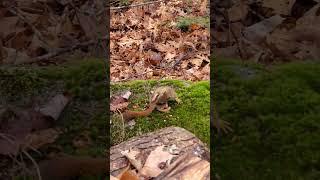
x: 65, y: 50
x: 135, y: 5
x: 32, y: 10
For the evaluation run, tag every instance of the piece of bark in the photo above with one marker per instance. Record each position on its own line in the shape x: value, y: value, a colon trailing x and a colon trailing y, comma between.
x: 181, y: 138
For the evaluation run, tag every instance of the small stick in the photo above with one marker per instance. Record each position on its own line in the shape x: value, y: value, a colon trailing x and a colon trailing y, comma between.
x: 64, y: 50
x: 135, y: 5
x: 34, y: 163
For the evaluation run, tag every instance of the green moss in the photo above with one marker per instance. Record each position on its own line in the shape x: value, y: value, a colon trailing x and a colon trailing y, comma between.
x: 124, y: 2
x: 274, y: 113
x: 18, y: 83
x: 192, y: 114
x: 183, y: 23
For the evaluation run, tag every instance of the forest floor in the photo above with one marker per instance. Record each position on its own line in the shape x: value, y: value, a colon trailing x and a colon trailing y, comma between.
x: 274, y: 112
x: 162, y: 40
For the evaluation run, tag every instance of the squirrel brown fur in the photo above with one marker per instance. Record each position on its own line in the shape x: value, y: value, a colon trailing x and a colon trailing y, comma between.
x: 128, y: 115
x: 158, y: 100
x: 165, y: 94
x: 67, y: 167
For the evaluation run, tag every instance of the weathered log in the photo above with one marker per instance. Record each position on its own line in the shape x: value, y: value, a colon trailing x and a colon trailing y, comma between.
x: 187, y: 167
x: 185, y: 142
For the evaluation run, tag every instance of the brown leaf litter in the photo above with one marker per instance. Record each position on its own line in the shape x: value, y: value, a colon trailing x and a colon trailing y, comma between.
x: 145, y: 42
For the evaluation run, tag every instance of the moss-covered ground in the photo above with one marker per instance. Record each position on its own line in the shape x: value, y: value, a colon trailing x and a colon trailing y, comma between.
x: 85, y: 80
x: 275, y: 114
x: 192, y: 114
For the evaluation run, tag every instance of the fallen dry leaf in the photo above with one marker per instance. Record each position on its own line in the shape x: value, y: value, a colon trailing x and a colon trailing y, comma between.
x: 151, y: 168
x: 257, y: 32
x: 120, y: 101
x: 13, y: 56
x: 132, y: 156
x: 56, y: 105
x: 41, y: 138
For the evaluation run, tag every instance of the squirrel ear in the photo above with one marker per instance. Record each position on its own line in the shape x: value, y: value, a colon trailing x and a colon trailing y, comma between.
x: 155, y: 98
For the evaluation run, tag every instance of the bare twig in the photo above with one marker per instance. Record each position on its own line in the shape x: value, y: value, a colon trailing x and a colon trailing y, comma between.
x: 13, y: 157
x: 65, y: 50
x: 32, y: 10
x: 7, y: 137
x: 135, y: 76
x: 34, y: 163
x: 135, y: 5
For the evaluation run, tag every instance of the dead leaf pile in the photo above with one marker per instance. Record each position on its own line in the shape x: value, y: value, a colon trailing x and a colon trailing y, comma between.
x: 40, y: 30
x: 147, y: 43
x: 266, y: 31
